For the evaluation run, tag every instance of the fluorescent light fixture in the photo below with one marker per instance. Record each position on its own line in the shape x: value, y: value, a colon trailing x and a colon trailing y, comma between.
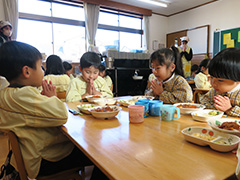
x: 155, y: 3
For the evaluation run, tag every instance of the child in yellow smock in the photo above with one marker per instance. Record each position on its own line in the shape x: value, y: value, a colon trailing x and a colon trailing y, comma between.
x: 89, y: 83
x: 35, y: 117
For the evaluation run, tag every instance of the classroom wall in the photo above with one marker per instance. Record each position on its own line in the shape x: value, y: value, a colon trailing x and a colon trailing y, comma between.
x: 157, y: 30
x: 222, y: 14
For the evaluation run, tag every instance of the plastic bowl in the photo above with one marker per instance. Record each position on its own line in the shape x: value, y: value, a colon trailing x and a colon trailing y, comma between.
x: 189, y: 110
x: 107, y: 114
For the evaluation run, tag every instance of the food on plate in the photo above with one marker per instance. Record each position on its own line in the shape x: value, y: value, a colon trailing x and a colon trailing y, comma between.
x: 229, y: 126
x: 213, y: 113
x: 96, y: 96
x: 187, y: 106
x: 126, y: 102
x: 222, y: 141
x: 87, y: 106
x: 204, y: 136
x: 103, y: 109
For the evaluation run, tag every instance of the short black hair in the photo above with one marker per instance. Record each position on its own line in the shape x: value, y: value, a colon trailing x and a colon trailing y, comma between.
x: 226, y: 64
x: 194, y: 67
x: 14, y: 56
x: 102, y: 68
x: 67, y: 66
x: 54, y: 65
x: 90, y: 59
x: 167, y: 56
x: 204, y: 63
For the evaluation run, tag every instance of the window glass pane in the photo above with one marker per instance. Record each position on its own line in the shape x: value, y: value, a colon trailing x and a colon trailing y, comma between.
x: 129, y: 41
x: 35, y: 7
x: 130, y: 22
x: 37, y: 34
x: 108, y: 19
x: 106, y: 38
x: 69, y: 41
x: 70, y: 12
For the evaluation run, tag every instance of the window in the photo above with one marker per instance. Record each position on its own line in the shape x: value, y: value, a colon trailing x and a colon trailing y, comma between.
x: 44, y: 25
x: 58, y: 27
x: 118, y: 30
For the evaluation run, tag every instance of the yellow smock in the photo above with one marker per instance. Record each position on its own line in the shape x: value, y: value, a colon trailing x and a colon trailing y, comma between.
x: 78, y: 86
x: 35, y: 119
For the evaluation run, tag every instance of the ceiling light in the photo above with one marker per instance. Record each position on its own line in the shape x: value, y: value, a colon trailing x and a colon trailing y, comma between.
x: 155, y: 3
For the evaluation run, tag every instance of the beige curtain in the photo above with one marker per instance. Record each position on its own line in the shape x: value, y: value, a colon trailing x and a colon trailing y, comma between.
x: 91, y: 22
x: 146, y: 33
x: 11, y: 14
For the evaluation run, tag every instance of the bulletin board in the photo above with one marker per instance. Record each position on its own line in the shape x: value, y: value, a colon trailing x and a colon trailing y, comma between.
x: 230, y: 38
x: 226, y: 39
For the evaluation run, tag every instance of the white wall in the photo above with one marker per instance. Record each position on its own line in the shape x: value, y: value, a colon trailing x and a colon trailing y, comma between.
x: 222, y: 14
x: 2, y: 17
x: 158, y: 30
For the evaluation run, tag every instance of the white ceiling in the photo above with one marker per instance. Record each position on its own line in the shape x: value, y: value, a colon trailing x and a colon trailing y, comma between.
x: 174, y: 6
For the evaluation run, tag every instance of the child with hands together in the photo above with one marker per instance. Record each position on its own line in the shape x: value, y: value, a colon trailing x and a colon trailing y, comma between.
x: 35, y: 118
x: 89, y: 83
x: 224, y: 70
x: 169, y: 86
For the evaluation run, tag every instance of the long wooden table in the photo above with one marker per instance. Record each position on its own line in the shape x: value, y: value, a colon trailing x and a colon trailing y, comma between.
x: 152, y: 150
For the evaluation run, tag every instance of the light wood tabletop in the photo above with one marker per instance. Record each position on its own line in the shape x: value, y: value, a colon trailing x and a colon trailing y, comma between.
x: 151, y: 150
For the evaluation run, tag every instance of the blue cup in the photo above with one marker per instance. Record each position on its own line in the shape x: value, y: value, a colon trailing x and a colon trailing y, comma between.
x: 144, y: 100
x: 154, y: 107
x: 168, y: 111
x: 146, y: 107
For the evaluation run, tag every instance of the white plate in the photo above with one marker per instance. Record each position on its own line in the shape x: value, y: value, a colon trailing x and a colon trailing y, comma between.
x: 105, y: 115
x: 215, y: 122
x: 232, y: 140
x: 85, y: 107
x: 104, y: 101
x: 91, y: 98
x: 135, y: 98
x: 190, y: 110
x: 205, y: 115
x: 125, y: 103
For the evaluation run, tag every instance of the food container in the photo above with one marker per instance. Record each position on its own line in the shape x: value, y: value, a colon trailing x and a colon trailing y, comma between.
x: 206, y: 115
x: 189, y: 110
x: 105, y: 114
x: 86, y: 107
x: 215, y: 122
x: 207, y: 137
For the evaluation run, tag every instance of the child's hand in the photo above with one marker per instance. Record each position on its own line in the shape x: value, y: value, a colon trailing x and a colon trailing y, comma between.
x: 157, y: 88
x: 222, y: 103
x: 94, y: 91
x: 48, y: 89
x: 89, y: 89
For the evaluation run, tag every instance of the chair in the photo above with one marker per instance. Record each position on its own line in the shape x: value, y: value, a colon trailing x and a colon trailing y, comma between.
x: 64, y: 175
x: 196, y: 93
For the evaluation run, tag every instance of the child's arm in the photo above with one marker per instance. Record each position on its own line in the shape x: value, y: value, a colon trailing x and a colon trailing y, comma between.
x: 179, y: 92
x: 48, y: 89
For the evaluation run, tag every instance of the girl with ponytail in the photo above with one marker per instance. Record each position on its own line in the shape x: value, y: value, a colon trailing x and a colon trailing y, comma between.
x: 170, y: 87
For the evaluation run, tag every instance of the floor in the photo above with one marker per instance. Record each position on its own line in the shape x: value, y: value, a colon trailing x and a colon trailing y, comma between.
x: 4, y: 151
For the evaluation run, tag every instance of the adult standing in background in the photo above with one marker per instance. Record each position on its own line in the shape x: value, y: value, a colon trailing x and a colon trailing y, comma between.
x: 5, y: 35
x: 5, y: 32
x: 186, y: 56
